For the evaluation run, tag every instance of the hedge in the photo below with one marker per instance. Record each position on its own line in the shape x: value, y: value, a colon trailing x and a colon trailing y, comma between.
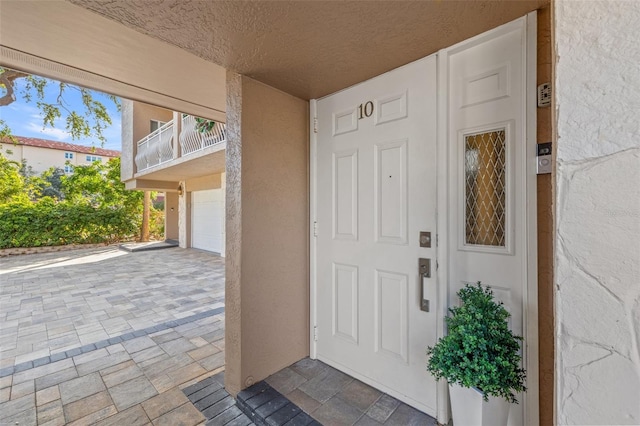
x: 49, y: 223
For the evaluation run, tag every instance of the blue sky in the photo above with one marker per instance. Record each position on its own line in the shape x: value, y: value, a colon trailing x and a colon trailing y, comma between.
x: 25, y: 119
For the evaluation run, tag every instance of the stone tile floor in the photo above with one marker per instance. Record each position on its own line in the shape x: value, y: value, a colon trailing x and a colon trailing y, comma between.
x: 333, y: 398
x: 213, y: 401
x: 53, y: 305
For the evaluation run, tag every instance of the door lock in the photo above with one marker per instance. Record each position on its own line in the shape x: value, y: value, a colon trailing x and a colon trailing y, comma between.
x: 425, y: 239
x: 425, y: 268
x: 424, y: 271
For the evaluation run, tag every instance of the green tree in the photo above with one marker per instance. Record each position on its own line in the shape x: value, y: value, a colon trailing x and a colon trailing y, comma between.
x: 12, y: 185
x: 93, y: 206
x: 51, y: 183
x: 99, y: 184
x: 26, y: 171
x: 89, y: 122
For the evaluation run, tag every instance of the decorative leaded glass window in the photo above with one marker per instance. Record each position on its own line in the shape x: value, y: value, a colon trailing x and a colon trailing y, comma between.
x: 485, y: 160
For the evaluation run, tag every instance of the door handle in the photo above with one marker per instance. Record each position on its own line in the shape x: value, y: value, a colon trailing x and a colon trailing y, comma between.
x: 424, y: 271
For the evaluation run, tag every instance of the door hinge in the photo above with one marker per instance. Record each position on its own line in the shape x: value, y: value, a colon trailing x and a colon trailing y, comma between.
x: 437, y: 240
x: 315, y: 333
x: 315, y: 229
x: 315, y: 124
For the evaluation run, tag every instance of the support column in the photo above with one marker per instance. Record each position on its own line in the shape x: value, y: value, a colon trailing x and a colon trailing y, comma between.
x: 184, y: 216
x: 177, y: 129
x: 223, y: 178
x: 267, y: 263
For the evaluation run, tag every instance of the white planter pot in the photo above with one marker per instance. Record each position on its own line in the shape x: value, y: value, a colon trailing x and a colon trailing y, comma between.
x: 469, y: 409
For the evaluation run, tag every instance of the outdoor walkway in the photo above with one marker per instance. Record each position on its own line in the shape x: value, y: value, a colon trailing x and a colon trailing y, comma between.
x: 110, y: 337
x: 105, y: 336
x: 314, y: 390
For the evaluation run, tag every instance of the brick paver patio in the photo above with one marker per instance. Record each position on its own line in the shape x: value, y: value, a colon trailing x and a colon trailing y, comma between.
x: 108, y: 337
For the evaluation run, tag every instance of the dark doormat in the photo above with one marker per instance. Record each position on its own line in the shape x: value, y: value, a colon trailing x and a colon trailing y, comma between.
x: 259, y: 404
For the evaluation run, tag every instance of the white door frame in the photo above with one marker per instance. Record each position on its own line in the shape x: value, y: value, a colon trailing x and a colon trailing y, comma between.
x: 530, y: 302
x: 313, y: 221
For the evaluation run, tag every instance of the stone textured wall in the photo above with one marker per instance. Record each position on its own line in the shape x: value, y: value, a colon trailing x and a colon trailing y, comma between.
x: 597, y: 243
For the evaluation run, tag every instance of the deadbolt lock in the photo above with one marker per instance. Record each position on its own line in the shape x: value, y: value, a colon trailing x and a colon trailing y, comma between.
x: 425, y: 239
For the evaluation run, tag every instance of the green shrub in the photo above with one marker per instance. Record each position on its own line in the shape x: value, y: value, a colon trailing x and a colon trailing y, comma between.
x: 156, y: 224
x: 91, y: 205
x: 47, y: 223
x: 479, y: 350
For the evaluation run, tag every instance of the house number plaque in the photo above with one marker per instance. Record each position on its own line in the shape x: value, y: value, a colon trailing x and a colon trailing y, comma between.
x: 365, y: 110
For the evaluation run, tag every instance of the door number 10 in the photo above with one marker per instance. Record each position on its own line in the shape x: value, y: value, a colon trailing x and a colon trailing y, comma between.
x: 365, y: 110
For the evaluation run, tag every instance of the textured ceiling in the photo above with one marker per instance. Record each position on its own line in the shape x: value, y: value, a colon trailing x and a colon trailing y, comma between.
x: 311, y: 48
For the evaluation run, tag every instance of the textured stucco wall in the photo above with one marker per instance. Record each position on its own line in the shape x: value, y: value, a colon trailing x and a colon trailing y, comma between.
x: 184, y: 215
x: 205, y: 182
x: 171, y: 231
x: 128, y: 153
x: 311, y: 48
x: 597, y: 208
x: 267, y: 265
x: 119, y: 60
x: 142, y: 116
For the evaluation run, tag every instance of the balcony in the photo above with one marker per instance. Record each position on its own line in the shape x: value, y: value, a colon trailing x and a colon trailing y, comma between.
x: 193, y: 140
x: 159, y: 147
x: 156, y: 148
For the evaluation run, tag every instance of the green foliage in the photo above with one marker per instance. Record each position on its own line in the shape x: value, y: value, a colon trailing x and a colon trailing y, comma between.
x: 89, y: 206
x: 157, y: 204
x: 156, y: 224
x: 91, y: 121
x: 12, y: 184
x: 26, y: 171
x: 50, y: 183
x: 479, y: 350
x: 203, y: 125
x: 99, y: 184
x: 5, y: 132
x: 47, y: 223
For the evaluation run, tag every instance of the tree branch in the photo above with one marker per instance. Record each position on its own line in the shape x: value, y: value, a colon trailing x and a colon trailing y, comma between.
x: 6, y: 79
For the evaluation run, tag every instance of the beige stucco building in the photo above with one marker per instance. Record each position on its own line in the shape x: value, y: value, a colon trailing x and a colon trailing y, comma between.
x: 163, y: 151
x: 262, y: 68
x: 42, y: 154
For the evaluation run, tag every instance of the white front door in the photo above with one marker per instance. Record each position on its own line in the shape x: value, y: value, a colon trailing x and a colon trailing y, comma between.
x: 207, y: 220
x: 376, y: 191
x: 490, y: 178
x: 375, y: 167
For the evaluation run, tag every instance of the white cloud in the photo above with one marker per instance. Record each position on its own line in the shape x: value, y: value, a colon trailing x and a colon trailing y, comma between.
x: 59, y: 134
x: 20, y: 106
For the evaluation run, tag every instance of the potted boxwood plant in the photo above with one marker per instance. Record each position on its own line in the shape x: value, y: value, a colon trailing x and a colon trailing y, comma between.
x: 480, y: 359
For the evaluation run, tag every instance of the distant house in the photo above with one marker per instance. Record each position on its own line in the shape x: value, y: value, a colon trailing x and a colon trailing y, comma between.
x: 42, y: 154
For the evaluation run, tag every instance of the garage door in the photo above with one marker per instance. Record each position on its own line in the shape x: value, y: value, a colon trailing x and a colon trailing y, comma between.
x: 207, y: 220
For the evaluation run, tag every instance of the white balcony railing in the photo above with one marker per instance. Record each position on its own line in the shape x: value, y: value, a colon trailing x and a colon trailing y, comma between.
x: 192, y: 140
x: 158, y: 147
x: 155, y: 148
